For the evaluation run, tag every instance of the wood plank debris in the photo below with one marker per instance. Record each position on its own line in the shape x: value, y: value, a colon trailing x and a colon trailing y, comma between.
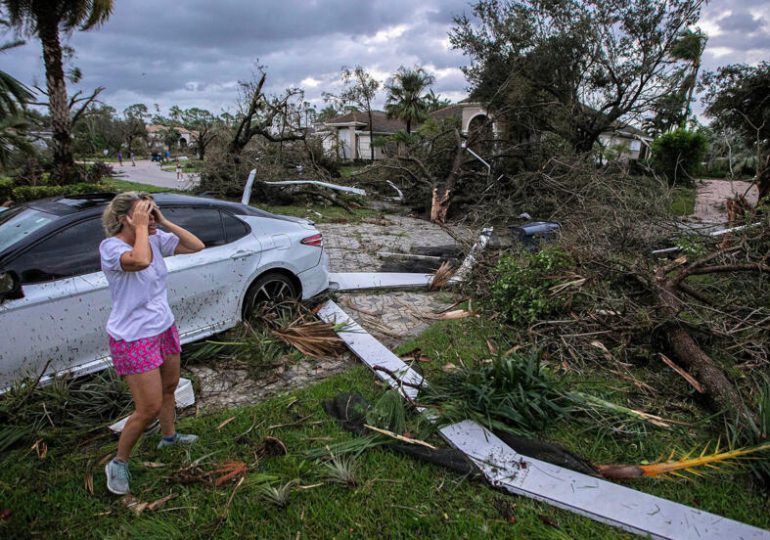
x: 598, y: 499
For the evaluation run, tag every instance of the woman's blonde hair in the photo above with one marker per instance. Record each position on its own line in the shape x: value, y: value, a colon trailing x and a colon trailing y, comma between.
x: 120, y: 206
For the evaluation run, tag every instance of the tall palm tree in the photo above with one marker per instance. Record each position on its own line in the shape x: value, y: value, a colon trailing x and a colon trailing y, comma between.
x: 45, y: 20
x: 406, y: 99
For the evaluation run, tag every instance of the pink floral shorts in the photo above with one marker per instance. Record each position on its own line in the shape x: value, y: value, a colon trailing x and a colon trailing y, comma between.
x: 145, y: 354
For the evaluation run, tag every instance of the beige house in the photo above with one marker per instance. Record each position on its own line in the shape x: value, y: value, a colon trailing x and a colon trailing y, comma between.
x: 347, y: 136
x: 155, y: 136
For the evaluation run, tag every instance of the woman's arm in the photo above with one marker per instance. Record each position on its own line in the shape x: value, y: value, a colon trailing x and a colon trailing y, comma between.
x: 140, y: 256
x: 188, y: 242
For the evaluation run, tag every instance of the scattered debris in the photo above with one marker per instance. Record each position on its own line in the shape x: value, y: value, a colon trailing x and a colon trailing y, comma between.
x: 229, y: 470
x: 272, y: 447
x: 442, y: 276
x: 682, y: 373
x: 315, y: 339
x: 137, y: 506
x: 354, y: 281
x: 225, y: 422
x: 515, y: 473
x: 686, y: 464
x: 347, y: 189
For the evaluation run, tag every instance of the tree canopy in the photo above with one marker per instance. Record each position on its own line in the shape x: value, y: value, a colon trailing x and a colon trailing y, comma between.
x: 738, y: 97
x: 406, y: 95
x: 572, y: 68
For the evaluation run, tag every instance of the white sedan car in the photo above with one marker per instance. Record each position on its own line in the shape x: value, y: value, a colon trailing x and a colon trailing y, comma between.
x: 54, y: 300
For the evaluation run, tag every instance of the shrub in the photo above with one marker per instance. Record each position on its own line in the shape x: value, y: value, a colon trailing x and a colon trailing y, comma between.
x: 29, y: 193
x: 521, y: 292
x: 678, y: 154
x: 98, y: 171
x: 6, y: 187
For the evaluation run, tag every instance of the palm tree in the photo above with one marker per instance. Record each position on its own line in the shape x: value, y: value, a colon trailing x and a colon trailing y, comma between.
x: 14, y: 97
x: 45, y: 19
x: 406, y: 99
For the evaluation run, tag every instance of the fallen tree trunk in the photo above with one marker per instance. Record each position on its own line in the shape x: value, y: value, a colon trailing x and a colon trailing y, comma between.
x: 718, y: 387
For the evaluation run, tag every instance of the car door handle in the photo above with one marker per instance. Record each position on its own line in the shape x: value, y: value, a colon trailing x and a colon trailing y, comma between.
x: 241, y: 253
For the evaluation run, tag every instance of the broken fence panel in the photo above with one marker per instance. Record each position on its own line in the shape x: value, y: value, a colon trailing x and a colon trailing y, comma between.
x: 598, y: 499
x: 351, y: 281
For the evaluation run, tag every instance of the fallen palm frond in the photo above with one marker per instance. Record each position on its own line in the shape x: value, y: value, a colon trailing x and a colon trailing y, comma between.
x: 441, y: 277
x: 685, y: 465
x: 315, y: 339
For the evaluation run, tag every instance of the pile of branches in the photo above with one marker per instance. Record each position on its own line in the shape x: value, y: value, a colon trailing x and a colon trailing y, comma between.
x: 699, y: 316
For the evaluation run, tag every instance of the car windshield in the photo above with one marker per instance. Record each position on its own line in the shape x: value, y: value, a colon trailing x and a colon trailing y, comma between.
x: 15, y: 224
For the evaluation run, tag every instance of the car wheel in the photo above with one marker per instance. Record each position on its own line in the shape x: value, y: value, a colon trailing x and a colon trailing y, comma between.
x: 269, y: 291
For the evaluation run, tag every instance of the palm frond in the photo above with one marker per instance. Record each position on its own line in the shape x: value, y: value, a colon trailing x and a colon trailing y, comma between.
x: 685, y: 464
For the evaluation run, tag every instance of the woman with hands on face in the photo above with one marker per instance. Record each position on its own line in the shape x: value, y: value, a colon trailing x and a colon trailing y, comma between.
x: 144, y: 341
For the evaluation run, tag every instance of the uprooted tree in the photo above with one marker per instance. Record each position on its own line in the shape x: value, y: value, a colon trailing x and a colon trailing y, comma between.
x: 255, y: 137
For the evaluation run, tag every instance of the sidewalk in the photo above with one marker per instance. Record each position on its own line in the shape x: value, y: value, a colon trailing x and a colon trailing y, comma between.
x: 148, y: 172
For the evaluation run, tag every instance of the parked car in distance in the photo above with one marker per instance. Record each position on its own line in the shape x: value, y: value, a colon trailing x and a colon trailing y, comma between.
x: 55, y: 301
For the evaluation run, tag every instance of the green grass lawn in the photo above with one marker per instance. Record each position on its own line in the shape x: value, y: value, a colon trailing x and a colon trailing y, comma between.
x: 395, y: 496
x: 322, y: 214
x: 683, y: 201
x: 116, y: 185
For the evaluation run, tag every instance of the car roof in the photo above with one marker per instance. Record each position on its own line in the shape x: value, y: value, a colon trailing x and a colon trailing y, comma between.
x: 68, y: 205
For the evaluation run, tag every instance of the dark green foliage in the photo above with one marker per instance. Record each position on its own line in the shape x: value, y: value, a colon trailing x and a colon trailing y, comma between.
x: 6, y: 186
x: 522, y: 289
x: 30, y: 193
x: 678, y: 155
x: 62, y: 411
x: 514, y: 393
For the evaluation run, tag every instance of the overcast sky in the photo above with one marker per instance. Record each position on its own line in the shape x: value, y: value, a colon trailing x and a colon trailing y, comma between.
x: 194, y: 52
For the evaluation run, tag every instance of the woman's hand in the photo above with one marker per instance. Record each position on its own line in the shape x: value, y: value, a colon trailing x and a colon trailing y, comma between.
x: 160, y: 219
x: 140, y: 217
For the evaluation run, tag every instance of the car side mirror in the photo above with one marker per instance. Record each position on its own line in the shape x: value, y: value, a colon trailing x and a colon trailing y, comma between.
x: 10, y: 288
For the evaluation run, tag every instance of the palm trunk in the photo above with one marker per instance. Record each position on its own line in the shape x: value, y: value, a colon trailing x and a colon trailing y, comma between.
x: 63, y: 160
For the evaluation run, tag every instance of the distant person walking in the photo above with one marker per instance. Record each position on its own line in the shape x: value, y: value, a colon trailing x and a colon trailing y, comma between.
x: 120, y: 158
x: 133, y: 162
x: 144, y: 341
x: 178, y: 171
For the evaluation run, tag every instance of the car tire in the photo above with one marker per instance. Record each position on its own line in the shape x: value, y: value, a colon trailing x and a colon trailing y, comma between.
x: 270, y: 288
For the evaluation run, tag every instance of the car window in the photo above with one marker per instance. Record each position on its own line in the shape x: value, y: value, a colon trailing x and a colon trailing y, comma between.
x: 69, y: 252
x: 205, y: 223
x: 15, y: 224
x: 234, y: 227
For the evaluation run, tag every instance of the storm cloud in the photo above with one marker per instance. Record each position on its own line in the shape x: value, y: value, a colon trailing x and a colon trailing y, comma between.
x: 193, y: 53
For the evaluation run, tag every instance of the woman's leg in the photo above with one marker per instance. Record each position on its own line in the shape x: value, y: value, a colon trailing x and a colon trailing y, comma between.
x: 147, y: 391
x: 169, y: 373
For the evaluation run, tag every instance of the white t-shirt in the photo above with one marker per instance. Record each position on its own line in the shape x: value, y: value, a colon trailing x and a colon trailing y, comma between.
x: 139, y: 299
